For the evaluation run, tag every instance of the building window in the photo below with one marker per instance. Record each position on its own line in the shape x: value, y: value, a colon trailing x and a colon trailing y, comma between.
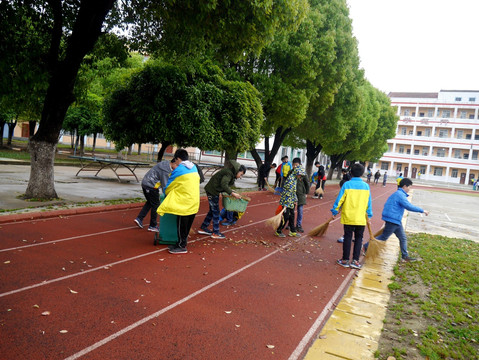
x: 406, y: 112
x: 419, y: 133
x: 416, y: 152
x: 441, y: 153
x: 463, y: 114
x: 212, y: 152
x: 471, y: 116
x: 474, y: 154
x: 384, y: 166
x: 423, y: 169
x: 458, y: 99
x: 430, y: 113
x: 446, y: 113
x: 437, y: 171
x: 454, y: 173
x: 401, y: 149
x: 460, y: 134
x: 403, y: 131
x: 421, y: 114
x: 465, y: 156
x: 468, y: 136
x: 413, y: 113
x: 457, y: 154
x: 427, y: 132
x: 399, y: 167
x: 408, y: 151
x: 424, y: 151
x: 473, y: 99
x: 443, y: 133
x: 411, y: 132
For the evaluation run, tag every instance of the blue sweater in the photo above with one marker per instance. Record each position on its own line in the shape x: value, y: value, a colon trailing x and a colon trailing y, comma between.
x: 394, y: 208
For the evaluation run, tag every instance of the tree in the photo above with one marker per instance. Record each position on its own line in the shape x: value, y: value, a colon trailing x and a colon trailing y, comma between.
x: 70, y: 29
x: 189, y: 105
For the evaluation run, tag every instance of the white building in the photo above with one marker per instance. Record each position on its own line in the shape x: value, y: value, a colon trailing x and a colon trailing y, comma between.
x: 437, y: 136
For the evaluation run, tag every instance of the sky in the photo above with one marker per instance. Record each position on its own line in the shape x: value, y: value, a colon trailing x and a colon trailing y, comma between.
x: 418, y: 45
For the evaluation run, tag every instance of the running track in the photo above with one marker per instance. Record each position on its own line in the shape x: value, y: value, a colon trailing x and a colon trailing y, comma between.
x: 111, y: 294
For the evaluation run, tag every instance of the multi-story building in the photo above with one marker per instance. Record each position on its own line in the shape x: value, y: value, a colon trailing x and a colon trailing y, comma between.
x: 437, y: 136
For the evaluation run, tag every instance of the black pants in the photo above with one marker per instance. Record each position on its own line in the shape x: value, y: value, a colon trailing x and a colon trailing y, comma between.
x: 358, y: 231
x: 184, y: 225
x: 277, y: 181
x: 288, y: 218
x: 261, y: 182
x: 152, y: 197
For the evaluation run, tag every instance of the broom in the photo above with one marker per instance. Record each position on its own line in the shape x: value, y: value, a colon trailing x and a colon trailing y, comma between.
x: 319, y: 190
x: 379, y: 232
x: 375, y: 246
x: 270, y: 188
x: 320, y: 230
x: 275, y: 221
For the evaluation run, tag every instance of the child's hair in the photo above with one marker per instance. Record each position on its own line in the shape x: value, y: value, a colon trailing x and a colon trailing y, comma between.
x: 316, y: 163
x: 357, y: 170
x: 273, y: 165
x: 181, y: 154
x: 297, y: 161
x: 405, y: 182
x: 242, y: 168
x: 284, y: 157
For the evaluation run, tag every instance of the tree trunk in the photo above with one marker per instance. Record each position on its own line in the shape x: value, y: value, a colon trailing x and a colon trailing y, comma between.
x: 42, y: 156
x: 2, y: 127
x: 129, y: 149
x: 82, y: 145
x: 139, y: 149
x: 94, y: 144
x: 162, y: 150
x: 63, y: 73
x: 31, y: 128
x: 230, y: 155
x: 11, y: 128
x: 312, y: 152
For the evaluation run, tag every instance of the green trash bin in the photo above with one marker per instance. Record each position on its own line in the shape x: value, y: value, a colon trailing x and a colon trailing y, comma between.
x: 168, y: 234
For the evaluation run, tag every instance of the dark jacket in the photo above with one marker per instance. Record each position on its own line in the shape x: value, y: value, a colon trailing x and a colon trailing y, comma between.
x: 302, y: 189
x: 222, y: 180
x: 264, y: 170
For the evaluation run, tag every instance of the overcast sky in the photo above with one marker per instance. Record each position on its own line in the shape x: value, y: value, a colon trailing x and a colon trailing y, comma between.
x: 418, y: 45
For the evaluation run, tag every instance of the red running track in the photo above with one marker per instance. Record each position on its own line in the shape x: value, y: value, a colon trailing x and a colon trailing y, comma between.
x: 111, y: 294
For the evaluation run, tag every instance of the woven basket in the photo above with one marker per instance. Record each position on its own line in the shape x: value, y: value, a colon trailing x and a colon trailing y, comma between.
x: 231, y: 203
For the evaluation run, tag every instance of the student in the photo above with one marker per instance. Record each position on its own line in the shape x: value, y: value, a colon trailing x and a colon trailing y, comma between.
x: 285, y: 169
x: 377, y: 175
x: 288, y: 200
x: 263, y: 174
x: 277, y: 181
x: 154, y: 179
x: 220, y: 182
x: 346, y: 177
x: 182, y: 198
x: 393, y: 213
x: 354, y: 201
x: 385, y: 178
x: 369, y: 174
x: 399, y: 178
x: 302, y: 189
x: 321, y: 180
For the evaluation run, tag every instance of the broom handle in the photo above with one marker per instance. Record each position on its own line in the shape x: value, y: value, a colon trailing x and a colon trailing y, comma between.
x: 369, y: 229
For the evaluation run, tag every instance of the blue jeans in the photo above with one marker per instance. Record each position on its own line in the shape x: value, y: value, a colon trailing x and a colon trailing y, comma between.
x: 213, y: 214
x: 391, y: 228
x: 299, y: 219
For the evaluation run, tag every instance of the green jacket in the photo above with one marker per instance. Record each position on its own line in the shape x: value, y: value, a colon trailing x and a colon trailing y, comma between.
x: 222, y: 180
x: 302, y: 189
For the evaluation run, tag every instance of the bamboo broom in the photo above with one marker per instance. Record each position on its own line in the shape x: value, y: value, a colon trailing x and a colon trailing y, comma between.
x: 320, y: 230
x: 375, y: 246
x: 319, y: 190
x: 270, y: 188
x: 275, y: 221
x: 379, y: 232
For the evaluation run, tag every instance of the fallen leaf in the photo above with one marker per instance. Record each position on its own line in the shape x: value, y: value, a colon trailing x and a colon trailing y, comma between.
x: 46, y: 313
x: 36, y: 306
x: 63, y: 331
x: 237, y: 325
x: 7, y: 262
x: 270, y: 346
x: 322, y: 337
x: 73, y: 291
x: 137, y: 300
x: 228, y: 312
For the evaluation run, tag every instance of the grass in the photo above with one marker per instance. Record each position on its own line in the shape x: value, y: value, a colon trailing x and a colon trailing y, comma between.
x: 434, y: 307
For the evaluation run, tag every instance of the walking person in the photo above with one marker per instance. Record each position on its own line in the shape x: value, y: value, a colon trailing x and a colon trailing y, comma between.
x: 220, y: 182
x: 377, y: 175
x: 321, y: 180
x: 385, y: 178
x: 263, y: 174
x: 182, y: 198
x: 393, y: 213
x: 154, y: 179
x: 354, y: 202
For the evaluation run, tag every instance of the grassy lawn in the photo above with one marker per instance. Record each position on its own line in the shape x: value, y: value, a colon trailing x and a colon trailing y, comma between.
x: 434, y: 308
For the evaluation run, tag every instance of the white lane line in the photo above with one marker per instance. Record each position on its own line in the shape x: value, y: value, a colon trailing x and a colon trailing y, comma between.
x: 67, y: 239
x: 162, y: 311
x: 306, y: 340
x: 448, y: 218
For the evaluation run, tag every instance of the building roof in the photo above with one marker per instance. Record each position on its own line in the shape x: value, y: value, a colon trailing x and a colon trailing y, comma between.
x: 421, y: 95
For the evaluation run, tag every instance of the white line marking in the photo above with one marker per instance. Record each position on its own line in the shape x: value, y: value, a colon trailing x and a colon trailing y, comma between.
x: 448, y: 218
x: 162, y: 311
x: 305, y: 341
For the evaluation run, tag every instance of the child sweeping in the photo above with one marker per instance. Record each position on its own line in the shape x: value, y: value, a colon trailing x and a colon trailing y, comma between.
x: 354, y: 201
x: 288, y: 201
